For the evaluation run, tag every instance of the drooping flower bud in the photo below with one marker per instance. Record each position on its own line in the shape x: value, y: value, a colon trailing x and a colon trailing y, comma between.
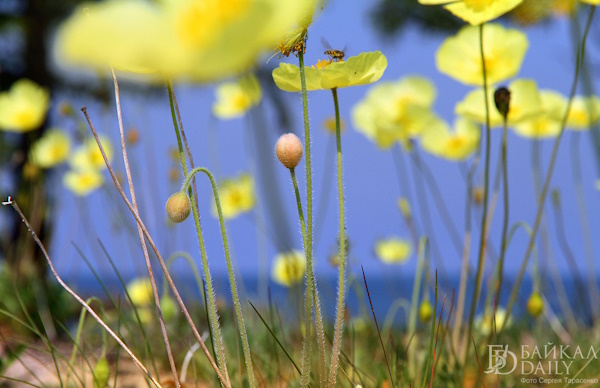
x: 289, y: 150
x: 178, y: 207
x: 101, y: 373
x: 535, y: 304
x: 502, y: 101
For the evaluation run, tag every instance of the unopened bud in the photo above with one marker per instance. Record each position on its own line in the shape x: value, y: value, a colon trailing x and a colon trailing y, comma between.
x: 178, y: 206
x: 502, y: 101
x: 289, y: 150
x: 101, y: 373
x: 425, y: 311
x: 535, y: 304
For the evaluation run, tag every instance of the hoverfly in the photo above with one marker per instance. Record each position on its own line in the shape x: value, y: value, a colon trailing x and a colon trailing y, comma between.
x: 336, y: 55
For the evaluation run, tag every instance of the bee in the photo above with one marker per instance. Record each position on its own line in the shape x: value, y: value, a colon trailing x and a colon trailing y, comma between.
x: 336, y: 55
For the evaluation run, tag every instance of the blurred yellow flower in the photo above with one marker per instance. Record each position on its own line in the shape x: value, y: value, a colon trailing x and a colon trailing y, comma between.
x: 234, y: 99
x: 140, y: 292
x: 51, y: 149
x: 237, y: 196
x: 485, y: 323
x: 82, y: 182
x: 476, y: 11
x: 202, y: 40
x: 88, y: 155
x: 395, y: 111
x: 23, y: 107
x: 458, y: 145
x: 525, y: 103
x: 289, y: 268
x: 584, y: 112
x: 362, y: 69
x: 459, y: 56
x: 593, y: 2
x: 329, y: 125
x: 548, y: 124
x: 393, y: 250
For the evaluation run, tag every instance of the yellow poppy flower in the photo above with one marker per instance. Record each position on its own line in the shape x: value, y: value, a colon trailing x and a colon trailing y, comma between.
x: 458, y: 145
x: 234, y: 99
x: 393, y: 250
x: 140, y: 292
x: 593, y: 2
x: 82, y: 182
x: 395, y: 111
x: 203, y: 40
x: 525, y: 103
x: 547, y: 124
x: 476, y: 12
x: 289, y: 268
x: 584, y: 112
x: 362, y: 69
x: 23, y: 107
x: 88, y: 155
x: 459, y: 56
x: 51, y: 149
x: 236, y: 195
x: 485, y: 323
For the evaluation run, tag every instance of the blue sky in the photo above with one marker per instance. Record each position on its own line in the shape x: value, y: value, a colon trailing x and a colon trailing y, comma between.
x: 370, y: 181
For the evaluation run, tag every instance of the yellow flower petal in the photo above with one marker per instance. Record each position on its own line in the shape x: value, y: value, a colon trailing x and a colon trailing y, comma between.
x: 459, y: 56
x: 593, y: 2
x: 547, y: 124
x: 584, y: 112
x: 88, y: 155
x: 395, y: 111
x: 289, y: 268
x: 82, y: 182
x: 525, y: 103
x: 51, y: 149
x: 202, y: 40
x: 393, y: 250
x: 457, y: 145
x: 362, y: 69
x: 23, y: 107
x: 234, y: 99
x: 237, y: 196
x: 477, y: 12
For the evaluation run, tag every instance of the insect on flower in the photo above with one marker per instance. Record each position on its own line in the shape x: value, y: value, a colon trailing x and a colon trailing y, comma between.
x: 336, y: 55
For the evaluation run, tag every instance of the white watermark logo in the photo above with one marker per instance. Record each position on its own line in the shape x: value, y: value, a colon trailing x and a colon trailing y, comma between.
x: 498, y: 362
x: 538, y: 362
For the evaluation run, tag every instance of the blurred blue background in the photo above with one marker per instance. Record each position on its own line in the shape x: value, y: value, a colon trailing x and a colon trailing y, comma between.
x: 371, y: 180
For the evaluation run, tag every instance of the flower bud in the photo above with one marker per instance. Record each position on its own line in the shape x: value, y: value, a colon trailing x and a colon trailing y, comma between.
x: 289, y: 150
x: 535, y: 305
x: 168, y: 307
x: 425, y: 311
x: 178, y: 206
x: 101, y: 373
x: 502, y: 101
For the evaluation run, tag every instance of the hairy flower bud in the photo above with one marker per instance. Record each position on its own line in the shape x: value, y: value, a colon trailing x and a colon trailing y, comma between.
x: 289, y: 150
x: 178, y: 206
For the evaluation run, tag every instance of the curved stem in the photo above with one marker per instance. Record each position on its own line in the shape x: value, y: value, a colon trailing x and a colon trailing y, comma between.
x: 212, y: 306
x: 234, y: 292
x: 542, y: 200
x: 486, y: 183
x: 339, y: 319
